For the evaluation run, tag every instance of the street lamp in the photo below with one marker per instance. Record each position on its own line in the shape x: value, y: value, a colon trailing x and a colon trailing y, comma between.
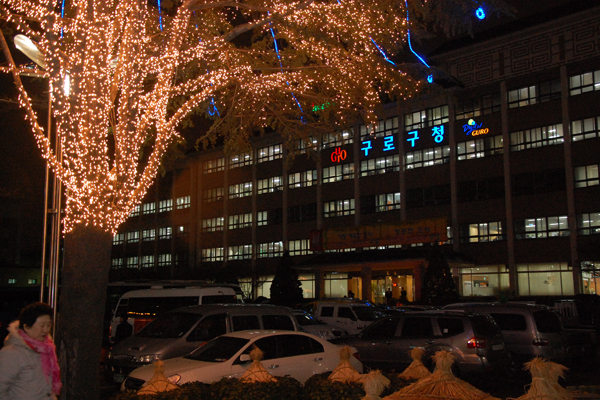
x: 30, y: 49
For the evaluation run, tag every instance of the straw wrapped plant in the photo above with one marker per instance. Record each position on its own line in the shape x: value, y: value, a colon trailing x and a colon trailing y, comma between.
x: 441, y: 385
x: 159, y: 382
x: 544, y: 381
x: 345, y: 372
x: 256, y: 372
x: 416, y: 370
x: 374, y: 383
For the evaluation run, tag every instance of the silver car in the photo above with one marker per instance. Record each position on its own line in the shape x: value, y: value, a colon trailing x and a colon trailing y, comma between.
x: 475, y: 340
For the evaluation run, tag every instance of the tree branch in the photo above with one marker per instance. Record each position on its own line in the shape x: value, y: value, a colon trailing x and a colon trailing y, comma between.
x: 195, y: 5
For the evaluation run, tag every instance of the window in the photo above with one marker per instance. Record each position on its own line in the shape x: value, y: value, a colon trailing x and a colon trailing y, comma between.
x: 119, y: 238
x: 269, y: 185
x: 211, y: 255
x: 383, y: 128
x: 165, y: 205
x: 539, y: 93
x: 583, y: 83
x: 302, y: 212
x: 164, y: 260
x: 240, y: 221
x: 240, y: 190
x: 132, y: 263
x: 240, y: 160
x: 165, y: 233
x: 135, y: 212
x: 148, y: 235
x: 428, y: 196
x: 484, y: 189
x: 417, y: 327
x: 588, y: 224
x: 12, y: 281
x: 380, y: 165
x: 272, y: 249
x: 270, y: 153
x: 117, y: 263
x: 212, y: 195
x: 299, y: 247
x: 269, y: 217
x: 213, y: 224
x: 537, y: 137
x: 214, y: 165
x: 183, y: 202
x: 133, y: 237
x: 242, y: 252
x: 551, y: 279
x: 588, y: 128
x: 148, y: 261
x: 481, y: 232
x: 543, y: 227
x: 528, y: 183
x: 149, y: 208
x: 425, y: 118
x: 302, y: 179
x: 337, y: 139
x: 475, y: 107
x: 427, y: 157
x: 387, y: 202
x: 182, y: 230
x: 338, y: 172
x: 479, y: 148
x: 303, y: 145
x: 338, y: 208
x: 586, y: 176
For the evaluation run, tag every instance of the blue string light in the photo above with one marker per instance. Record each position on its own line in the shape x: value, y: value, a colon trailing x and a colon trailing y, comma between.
x: 281, y: 67
x: 62, y: 15
x: 480, y: 13
x: 160, y: 24
x: 408, y: 37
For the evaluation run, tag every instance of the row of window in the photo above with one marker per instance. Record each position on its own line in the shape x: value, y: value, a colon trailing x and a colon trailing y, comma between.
x: 161, y: 206
x: 148, y: 235
x: 264, y: 250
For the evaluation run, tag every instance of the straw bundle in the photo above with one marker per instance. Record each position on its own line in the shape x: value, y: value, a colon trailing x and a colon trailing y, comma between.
x: 374, y: 384
x: 441, y: 385
x: 256, y: 372
x: 416, y: 370
x: 344, y: 372
x: 158, y: 382
x: 544, y: 383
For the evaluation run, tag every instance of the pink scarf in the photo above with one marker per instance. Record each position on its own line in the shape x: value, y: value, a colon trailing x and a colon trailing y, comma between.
x: 47, y: 351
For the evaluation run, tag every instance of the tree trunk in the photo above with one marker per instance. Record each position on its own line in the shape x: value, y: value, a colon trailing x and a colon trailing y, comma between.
x: 80, y: 319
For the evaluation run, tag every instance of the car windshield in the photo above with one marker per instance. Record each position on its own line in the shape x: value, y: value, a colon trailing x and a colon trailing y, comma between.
x: 367, y: 313
x: 305, y: 320
x: 169, y: 326
x: 220, y: 349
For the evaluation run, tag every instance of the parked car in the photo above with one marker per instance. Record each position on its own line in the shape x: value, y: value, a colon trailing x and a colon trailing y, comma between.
x: 475, y: 340
x: 312, y: 325
x: 349, y: 316
x: 530, y: 330
x: 295, y: 354
x: 183, y: 330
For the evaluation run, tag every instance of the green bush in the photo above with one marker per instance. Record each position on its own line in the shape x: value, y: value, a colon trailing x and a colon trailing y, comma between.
x: 318, y: 387
x: 233, y: 389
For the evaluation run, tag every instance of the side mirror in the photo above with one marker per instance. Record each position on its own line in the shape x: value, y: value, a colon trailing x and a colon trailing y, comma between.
x: 244, y: 358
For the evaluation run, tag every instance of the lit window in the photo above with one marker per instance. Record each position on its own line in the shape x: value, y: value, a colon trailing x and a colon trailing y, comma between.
x: 212, y: 195
x: 387, y: 202
x: 240, y: 190
x: 165, y: 233
x: 588, y: 128
x: 336, y: 139
x: 211, y: 255
x: 240, y: 221
x: 132, y: 263
x: 481, y: 232
x: 243, y: 252
x: 303, y: 145
x: 149, y: 208
x: 183, y: 202
x: 536, y: 137
x: 479, y: 148
x: 425, y: 118
x: 32, y: 281
x: 215, y: 165
x: 338, y: 172
x: 427, y: 157
x: 588, y: 224
x: 299, y: 247
x: 212, y: 224
x: 268, y: 250
x: 182, y: 230
x: 119, y: 238
x: 117, y: 263
x: 270, y: 185
x: 133, y: 237
x: 586, y: 176
x: 270, y: 153
x: 164, y: 260
x: 148, y: 261
x: 385, y: 127
x: 165, y: 205
x: 583, y: 83
x: 380, y: 165
x: 302, y: 179
x: 475, y: 107
x: 12, y: 281
x: 240, y: 160
x: 135, y: 212
x: 148, y: 235
x: 543, y: 227
x: 338, y: 208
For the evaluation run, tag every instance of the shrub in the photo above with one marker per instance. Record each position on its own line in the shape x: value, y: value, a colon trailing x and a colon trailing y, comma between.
x: 233, y: 389
x: 318, y: 387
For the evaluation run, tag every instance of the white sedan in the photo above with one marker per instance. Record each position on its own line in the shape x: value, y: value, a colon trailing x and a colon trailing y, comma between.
x: 297, y: 354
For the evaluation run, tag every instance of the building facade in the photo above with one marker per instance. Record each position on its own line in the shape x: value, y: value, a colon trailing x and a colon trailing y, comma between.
x: 509, y: 159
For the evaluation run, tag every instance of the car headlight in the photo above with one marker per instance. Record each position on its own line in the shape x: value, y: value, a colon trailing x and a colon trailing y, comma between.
x: 148, y: 358
x: 174, y: 378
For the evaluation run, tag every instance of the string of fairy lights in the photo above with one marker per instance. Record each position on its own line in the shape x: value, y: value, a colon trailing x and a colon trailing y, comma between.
x: 114, y: 123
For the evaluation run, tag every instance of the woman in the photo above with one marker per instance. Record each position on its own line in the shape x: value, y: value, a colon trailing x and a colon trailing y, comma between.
x: 28, y: 366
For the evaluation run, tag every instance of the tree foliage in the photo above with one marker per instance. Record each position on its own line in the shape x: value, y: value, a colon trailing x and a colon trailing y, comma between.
x: 286, y: 289
x: 439, y: 287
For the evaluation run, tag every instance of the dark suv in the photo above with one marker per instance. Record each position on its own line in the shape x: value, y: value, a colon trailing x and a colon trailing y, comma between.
x: 475, y: 340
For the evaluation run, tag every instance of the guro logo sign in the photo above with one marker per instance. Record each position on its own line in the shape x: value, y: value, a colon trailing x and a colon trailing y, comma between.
x: 338, y: 155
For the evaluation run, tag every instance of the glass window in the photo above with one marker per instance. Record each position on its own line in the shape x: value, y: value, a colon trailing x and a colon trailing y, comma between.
x: 135, y: 212
x: 240, y: 190
x: 510, y: 322
x: 384, y: 127
x: 542, y: 227
x: 336, y: 139
x: 338, y: 208
x: 270, y: 153
x: 165, y: 232
x: 387, y: 202
x: 164, y: 260
x: 479, y: 148
x: 450, y: 326
x: 536, y: 137
x: 426, y: 118
x: 133, y: 237
x: 133, y: 263
x: 240, y: 160
x: 242, y: 252
x: 270, y: 185
x: 380, y: 165
x: 282, y: 322
x: 245, y: 322
x: 416, y: 327
x: 427, y: 157
x: 165, y: 205
x: 588, y: 223
x: 148, y: 261
x: 481, y: 232
x: 586, y: 176
x: 299, y: 247
x: 119, y: 238
x: 212, y: 224
x: 337, y: 173
x: 214, y: 165
x: 148, y: 235
x: 272, y: 249
x: 117, y: 263
x: 183, y: 202
x: 149, y: 208
x: 240, y: 221
x: 302, y: 179
x: 213, y: 254
x: 475, y: 107
x: 212, y: 195
x: 588, y: 128
x: 586, y: 82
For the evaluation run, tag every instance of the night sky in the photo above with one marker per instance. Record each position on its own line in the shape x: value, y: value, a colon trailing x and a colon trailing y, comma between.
x: 22, y: 168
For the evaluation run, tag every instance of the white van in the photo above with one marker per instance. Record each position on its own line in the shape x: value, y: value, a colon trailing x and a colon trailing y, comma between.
x: 349, y: 316
x: 140, y: 307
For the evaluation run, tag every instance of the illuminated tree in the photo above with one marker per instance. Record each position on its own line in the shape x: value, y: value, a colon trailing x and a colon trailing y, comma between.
x: 135, y: 72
